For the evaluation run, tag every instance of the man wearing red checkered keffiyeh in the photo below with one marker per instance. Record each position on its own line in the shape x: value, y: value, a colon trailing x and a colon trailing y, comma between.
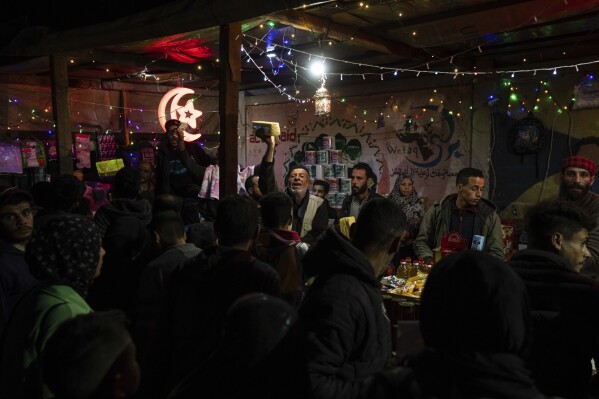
x: 577, y: 176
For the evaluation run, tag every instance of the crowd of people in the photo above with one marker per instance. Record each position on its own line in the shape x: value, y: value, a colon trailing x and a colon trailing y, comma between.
x: 262, y: 295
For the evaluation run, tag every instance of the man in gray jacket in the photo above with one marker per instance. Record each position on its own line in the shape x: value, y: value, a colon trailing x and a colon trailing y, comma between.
x: 466, y: 213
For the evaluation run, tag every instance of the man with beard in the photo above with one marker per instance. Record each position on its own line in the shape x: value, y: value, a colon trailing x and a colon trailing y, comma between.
x: 310, y: 215
x: 578, y: 175
x: 466, y: 212
x: 16, y: 229
x: 362, y: 177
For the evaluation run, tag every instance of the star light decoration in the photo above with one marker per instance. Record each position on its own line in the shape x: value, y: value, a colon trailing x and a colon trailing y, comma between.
x: 193, y: 113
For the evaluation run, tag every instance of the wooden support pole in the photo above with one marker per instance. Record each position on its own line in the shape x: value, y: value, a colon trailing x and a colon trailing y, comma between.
x: 60, y: 109
x: 230, y: 76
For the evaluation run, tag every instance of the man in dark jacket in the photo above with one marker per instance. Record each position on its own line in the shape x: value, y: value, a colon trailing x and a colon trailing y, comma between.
x: 362, y: 178
x: 180, y: 172
x: 16, y: 229
x: 200, y: 293
x: 170, y: 237
x: 564, y: 303
x: 348, y: 335
x: 467, y: 213
x: 126, y: 239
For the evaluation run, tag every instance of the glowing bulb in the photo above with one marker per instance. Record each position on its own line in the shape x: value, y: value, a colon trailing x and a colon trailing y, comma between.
x: 317, y: 68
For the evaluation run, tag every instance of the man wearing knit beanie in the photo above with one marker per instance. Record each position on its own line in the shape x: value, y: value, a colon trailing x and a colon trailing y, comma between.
x: 577, y: 177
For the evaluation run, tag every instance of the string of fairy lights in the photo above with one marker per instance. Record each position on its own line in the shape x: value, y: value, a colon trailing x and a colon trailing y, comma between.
x: 253, y: 44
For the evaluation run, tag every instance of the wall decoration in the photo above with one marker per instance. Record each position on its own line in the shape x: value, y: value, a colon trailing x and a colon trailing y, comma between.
x: 82, y: 151
x: 10, y: 159
x: 425, y: 141
x: 33, y: 154
x: 184, y: 113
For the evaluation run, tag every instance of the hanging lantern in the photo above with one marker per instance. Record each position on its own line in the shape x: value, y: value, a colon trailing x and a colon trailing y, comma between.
x: 322, y: 102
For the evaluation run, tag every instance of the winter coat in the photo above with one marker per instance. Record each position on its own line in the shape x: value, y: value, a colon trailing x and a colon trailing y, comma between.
x: 15, y: 280
x: 348, y: 334
x: 437, y: 220
x: 565, y: 312
x: 177, y: 170
x: 197, y: 299
x: 127, y: 242
x: 152, y: 286
x: 109, y: 213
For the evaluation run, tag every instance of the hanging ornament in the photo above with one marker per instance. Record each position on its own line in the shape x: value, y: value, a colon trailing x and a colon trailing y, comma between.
x: 322, y: 101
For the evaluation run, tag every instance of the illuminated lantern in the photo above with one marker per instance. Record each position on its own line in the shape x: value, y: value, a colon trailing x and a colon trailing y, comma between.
x: 322, y: 101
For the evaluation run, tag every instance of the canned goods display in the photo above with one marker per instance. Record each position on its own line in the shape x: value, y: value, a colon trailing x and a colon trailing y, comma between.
x: 309, y: 157
x: 311, y: 170
x: 333, y: 185
x: 345, y: 185
x: 340, y: 170
x: 327, y: 143
x: 327, y: 171
x: 335, y: 156
x: 322, y: 157
x: 340, y: 197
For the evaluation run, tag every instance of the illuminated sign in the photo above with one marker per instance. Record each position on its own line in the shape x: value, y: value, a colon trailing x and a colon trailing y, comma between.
x: 184, y: 113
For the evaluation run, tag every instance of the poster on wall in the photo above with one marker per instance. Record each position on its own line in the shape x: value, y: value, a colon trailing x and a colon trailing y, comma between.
x: 82, y: 151
x: 33, y: 154
x: 408, y: 136
x: 10, y: 159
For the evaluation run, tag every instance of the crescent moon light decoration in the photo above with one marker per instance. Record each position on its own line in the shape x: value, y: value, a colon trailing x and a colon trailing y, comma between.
x: 184, y: 113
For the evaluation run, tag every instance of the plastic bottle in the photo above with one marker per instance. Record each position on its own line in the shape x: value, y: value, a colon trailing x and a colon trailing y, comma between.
x: 402, y: 269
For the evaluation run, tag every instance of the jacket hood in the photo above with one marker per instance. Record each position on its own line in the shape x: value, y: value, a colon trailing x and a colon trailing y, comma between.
x: 333, y: 254
x: 140, y: 209
x: 483, y: 300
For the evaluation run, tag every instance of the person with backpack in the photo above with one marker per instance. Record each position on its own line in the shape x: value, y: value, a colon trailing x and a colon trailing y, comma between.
x: 281, y: 247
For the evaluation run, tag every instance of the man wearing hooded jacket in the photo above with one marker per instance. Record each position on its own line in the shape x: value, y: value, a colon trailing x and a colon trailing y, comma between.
x: 466, y: 212
x: 347, y: 331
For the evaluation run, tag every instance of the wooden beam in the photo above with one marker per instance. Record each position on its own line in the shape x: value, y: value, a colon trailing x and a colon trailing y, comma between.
x: 172, y: 18
x: 230, y: 76
x: 332, y: 30
x: 60, y: 109
x: 136, y: 60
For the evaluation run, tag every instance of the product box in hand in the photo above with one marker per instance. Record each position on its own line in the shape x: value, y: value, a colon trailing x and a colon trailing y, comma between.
x: 263, y: 129
x: 110, y: 167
